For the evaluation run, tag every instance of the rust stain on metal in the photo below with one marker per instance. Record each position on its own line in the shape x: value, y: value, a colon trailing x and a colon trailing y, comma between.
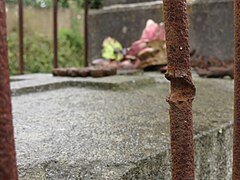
x: 8, y: 169
x: 236, y: 141
x: 182, y: 89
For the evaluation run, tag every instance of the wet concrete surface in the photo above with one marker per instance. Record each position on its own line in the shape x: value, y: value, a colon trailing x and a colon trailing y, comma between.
x: 85, y: 133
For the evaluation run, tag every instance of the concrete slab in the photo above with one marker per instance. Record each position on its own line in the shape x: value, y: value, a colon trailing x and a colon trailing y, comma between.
x: 24, y: 84
x: 82, y: 133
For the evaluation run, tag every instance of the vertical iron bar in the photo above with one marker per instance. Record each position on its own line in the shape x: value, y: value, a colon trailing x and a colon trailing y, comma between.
x: 8, y: 169
x: 236, y: 141
x: 21, y: 36
x: 55, y: 33
x: 86, y: 33
x: 182, y: 89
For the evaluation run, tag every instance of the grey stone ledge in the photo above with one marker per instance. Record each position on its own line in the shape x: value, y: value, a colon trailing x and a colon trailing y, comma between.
x: 43, y: 82
x: 146, y: 5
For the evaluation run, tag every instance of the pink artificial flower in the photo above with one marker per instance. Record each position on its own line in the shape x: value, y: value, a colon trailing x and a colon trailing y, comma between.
x: 153, y: 31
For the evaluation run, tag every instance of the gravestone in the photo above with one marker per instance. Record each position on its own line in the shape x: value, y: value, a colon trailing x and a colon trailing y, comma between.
x: 211, y: 25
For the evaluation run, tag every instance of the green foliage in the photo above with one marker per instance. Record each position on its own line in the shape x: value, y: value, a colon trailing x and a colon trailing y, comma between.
x: 34, y: 3
x: 13, y: 53
x: 38, y: 52
x: 70, y: 49
x: 95, y: 4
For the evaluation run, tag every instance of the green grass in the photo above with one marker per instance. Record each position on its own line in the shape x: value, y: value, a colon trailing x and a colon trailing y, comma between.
x: 38, y: 54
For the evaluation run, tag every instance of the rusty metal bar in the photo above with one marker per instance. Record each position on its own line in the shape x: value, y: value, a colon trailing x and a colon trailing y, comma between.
x: 236, y: 141
x: 86, y: 3
x: 182, y: 89
x: 21, y: 36
x: 8, y: 169
x: 55, y: 33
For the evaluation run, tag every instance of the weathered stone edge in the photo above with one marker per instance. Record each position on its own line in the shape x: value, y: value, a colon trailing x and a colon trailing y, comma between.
x: 212, y: 159
x: 128, y: 85
x: 145, y: 5
x: 158, y: 166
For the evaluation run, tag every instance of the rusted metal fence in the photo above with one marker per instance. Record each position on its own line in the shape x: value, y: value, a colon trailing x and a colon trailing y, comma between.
x: 8, y: 169
x: 182, y: 89
x: 236, y: 146
x: 86, y: 2
x: 180, y: 98
x: 55, y: 34
x: 21, y: 34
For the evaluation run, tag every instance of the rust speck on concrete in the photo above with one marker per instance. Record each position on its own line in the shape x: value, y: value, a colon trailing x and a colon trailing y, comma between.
x: 8, y: 169
x: 182, y: 89
x: 236, y: 141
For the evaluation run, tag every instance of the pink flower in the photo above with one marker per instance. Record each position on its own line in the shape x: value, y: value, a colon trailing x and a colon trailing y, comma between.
x: 153, y: 31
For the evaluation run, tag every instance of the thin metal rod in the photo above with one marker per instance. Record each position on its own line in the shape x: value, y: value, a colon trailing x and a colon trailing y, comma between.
x: 55, y: 33
x: 8, y: 168
x: 86, y: 33
x: 21, y: 36
x: 182, y: 89
x: 236, y: 141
